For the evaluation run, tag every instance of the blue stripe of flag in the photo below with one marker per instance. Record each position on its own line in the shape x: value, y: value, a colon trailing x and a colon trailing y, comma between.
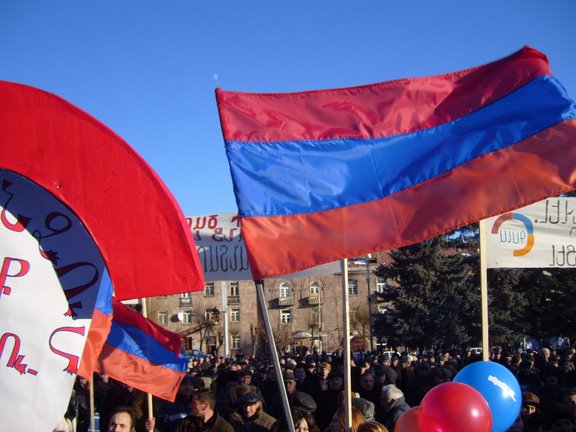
x: 299, y: 177
x: 133, y: 341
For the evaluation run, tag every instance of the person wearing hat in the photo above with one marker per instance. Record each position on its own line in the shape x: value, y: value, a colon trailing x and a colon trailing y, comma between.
x: 532, y: 416
x: 393, y: 406
x: 276, y: 406
x: 250, y: 415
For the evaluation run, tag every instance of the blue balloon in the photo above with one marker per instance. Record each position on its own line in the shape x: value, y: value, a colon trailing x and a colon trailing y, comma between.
x: 499, y: 387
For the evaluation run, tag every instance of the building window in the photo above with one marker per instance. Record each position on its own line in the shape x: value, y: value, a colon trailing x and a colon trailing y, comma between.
x: 235, y: 342
x: 234, y: 289
x: 186, y: 317
x: 211, y: 341
x: 209, y: 289
x: 285, y: 316
x: 285, y: 290
x: 234, y: 314
x: 163, y: 317
x: 316, y: 315
x: 352, y: 287
x: 380, y: 285
x: 314, y: 289
x: 352, y: 316
x: 185, y: 298
x: 382, y: 309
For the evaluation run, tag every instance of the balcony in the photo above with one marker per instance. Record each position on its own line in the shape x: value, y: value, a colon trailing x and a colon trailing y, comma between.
x: 185, y: 301
x: 285, y: 301
x: 233, y: 300
x: 314, y: 300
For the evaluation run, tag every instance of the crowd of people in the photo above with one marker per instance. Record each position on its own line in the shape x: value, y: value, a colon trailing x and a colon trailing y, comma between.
x: 242, y: 394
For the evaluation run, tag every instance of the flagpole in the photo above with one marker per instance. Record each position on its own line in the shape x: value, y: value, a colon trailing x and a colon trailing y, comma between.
x: 92, y: 404
x: 347, y: 369
x: 484, y: 291
x: 275, y: 360
x: 224, y: 296
x: 145, y: 315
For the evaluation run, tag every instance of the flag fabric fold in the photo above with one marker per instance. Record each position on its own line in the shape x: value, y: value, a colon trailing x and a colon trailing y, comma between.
x: 142, y: 354
x: 323, y: 175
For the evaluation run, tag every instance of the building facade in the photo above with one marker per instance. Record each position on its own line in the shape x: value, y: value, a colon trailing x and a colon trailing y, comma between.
x: 303, y: 312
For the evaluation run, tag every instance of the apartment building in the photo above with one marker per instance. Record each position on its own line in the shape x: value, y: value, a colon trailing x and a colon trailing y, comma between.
x: 303, y: 311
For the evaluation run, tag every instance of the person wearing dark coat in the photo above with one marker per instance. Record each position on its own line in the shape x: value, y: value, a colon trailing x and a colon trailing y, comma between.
x: 393, y: 406
x: 203, y: 418
x: 250, y: 415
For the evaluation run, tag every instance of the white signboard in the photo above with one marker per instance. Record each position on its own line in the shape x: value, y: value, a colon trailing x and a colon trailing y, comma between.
x: 540, y: 235
x: 49, y: 278
x: 222, y: 251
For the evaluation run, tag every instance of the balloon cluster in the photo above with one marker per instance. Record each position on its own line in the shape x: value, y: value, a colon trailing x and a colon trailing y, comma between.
x: 483, y: 397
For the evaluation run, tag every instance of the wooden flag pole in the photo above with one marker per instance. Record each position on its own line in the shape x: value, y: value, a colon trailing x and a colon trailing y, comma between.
x: 484, y: 291
x: 347, y: 369
x: 150, y: 405
x: 275, y: 360
x: 92, y: 404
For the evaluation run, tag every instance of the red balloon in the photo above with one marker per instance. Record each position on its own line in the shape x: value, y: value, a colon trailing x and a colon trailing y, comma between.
x: 408, y: 422
x: 454, y: 407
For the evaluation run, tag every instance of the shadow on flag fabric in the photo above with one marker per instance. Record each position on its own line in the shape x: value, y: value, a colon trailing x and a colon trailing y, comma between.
x: 134, y: 219
x: 324, y: 175
x: 142, y: 354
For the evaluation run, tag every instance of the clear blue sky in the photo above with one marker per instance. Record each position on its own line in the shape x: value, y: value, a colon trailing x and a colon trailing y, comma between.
x: 148, y: 69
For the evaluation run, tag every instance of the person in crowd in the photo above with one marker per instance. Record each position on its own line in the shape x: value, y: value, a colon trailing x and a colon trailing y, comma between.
x: 170, y: 414
x: 269, y: 386
x: 562, y: 424
x: 329, y: 398
x: 250, y: 415
x: 393, y: 405
x: 245, y: 376
x: 338, y: 422
x: 532, y: 416
x: 122, y: 419
x: 302, y: 420
x: 305, y: 382
x: 369, y: 389
x: 372, y: 426
x: 202, y: 415
x: 323, y: 371
x: 385, y: 374
x: 119, y: 394
x: 276, y: 407
x: 64, y: 425
x: 517, y: 426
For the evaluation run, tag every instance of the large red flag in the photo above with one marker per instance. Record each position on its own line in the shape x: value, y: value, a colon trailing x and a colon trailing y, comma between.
x: 324, y: 175
x: 136, y: 222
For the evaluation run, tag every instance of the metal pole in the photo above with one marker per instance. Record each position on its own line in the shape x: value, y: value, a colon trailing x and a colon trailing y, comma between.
x: 347, y: 369
x: 274, y: 352
x: 224, y: 296
x: 149, y: 395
